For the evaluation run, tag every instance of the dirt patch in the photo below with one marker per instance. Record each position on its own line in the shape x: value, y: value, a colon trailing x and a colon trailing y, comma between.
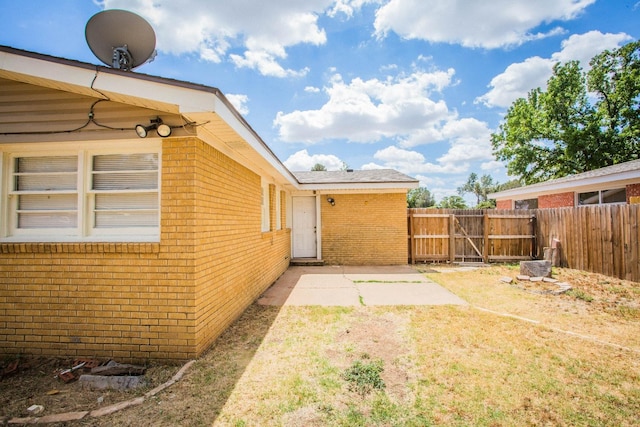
x: 378, y: 336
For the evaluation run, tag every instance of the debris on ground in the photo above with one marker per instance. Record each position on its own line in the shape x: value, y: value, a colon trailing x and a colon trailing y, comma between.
x: 92, y: 374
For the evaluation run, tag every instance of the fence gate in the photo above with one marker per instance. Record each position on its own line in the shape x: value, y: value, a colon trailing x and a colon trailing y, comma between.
x: 470, y: 235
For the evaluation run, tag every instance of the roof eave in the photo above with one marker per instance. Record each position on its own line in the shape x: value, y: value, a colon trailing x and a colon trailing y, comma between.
x: 577, y: 185
x: 198, y: 102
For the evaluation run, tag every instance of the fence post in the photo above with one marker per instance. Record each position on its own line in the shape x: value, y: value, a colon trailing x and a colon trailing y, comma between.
x: 452, y: 239
x: 534, y: 240
x: 412, y: 239
x: 485, y: 248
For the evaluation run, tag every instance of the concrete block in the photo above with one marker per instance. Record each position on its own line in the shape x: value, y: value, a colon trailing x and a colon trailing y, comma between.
x: 99, y: 382
x: 540, y: 268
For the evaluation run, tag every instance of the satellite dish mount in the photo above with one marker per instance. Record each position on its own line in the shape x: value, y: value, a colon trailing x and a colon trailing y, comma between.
x: 121, y: 39
x: 122, y: 59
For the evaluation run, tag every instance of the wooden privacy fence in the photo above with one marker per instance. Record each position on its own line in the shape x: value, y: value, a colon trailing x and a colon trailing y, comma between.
x: 601, y: 239
x: 457, y: 235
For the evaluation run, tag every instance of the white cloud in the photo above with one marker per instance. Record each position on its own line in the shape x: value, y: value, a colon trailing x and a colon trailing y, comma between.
x: 369, y: 110
x: 472, y: 23
x: 516, y: 81
x: 521, y: 77
x: 311, y: 89
x: 492, y: 166
x: 348, y: 7
x: 239, y: 102
x: 413, y: 162
x: 469, y: 143
x: 302, y: 161
x: 212, y: 29
x: 583, y: 47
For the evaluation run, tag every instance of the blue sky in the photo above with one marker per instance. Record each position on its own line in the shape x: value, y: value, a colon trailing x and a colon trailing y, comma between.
x: 414, y: 85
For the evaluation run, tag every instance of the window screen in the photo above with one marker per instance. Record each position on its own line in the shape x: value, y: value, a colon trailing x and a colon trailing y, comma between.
x: 125, y: 188
x: 46, y: 190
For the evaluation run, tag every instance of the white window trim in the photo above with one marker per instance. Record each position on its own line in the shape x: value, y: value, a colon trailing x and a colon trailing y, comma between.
x: 84, y: 232
x: 266, y: 221
x: 278, y: 209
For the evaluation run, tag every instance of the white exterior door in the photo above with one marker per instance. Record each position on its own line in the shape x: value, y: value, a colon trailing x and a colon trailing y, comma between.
x: 304, y: 227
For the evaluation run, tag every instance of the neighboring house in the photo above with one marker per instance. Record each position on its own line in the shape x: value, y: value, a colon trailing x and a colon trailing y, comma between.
x: 613, y: 184
x: 134, y: 248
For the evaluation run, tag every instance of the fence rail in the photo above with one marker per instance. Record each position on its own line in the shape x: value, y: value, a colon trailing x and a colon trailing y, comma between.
x: 601, y: 239
x: 470, y: 235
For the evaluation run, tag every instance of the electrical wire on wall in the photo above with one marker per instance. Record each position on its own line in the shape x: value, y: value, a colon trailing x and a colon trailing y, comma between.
x: 91, y: 119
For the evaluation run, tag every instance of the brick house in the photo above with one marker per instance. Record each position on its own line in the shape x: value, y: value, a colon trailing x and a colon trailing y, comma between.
x: 146, y: 242
x: 613, y: 184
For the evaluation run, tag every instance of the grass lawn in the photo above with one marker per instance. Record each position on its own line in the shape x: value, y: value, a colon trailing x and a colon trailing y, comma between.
x: 574, y: 362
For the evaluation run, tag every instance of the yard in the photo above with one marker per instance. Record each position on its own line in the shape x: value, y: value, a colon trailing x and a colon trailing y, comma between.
x: 512, y: 357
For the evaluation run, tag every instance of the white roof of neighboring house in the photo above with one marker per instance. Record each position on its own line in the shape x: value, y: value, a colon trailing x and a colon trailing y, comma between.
x: 219, y: 123
x: 616, y: 176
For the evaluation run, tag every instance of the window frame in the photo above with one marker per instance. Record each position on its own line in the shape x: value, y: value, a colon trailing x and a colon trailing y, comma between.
x: 265, y: 225
x: 600, y: 194
x: 85, y: 230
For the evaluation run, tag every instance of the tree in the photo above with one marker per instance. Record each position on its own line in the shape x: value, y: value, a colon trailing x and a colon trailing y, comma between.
x: 514, y: 183
x: 452, y: 202
x: 319, y: 167
x: 563, y: 131
x: 480, y: 187
x: 420, y: 198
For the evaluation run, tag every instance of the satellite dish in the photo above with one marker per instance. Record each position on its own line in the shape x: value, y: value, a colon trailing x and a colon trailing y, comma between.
x: 120, y: 39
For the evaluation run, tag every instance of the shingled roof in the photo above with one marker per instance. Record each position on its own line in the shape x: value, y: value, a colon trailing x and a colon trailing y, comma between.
x: 373, y: 176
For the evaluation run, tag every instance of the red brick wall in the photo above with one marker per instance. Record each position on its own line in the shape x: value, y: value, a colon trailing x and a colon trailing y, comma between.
x: 633, y: 190
x: 560, y: 200
x: 504, y: 204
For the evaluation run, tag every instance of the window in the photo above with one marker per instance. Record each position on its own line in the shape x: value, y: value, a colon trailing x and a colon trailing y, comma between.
x: 616, y: 195
x: 278, y: 213
x: 266, y: 220
x: 103, y: 196
x: 526, y: 204
x: 124, y: 191
x: 44, y: 192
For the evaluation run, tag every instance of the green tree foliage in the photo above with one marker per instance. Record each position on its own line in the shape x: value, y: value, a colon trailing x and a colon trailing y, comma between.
x: 452, y: 202
x: 479, y: 187
x: 514, y: 183
x: 583, y: 121
x: 420, y: 198
x: 319, y: 167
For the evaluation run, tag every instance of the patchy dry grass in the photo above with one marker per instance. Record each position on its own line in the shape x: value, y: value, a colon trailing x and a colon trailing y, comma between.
x: 441, y: 366
x: 598, y: 306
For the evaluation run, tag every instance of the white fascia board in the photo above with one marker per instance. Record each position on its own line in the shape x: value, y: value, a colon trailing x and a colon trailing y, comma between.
x: 165, y: 97
x: 16, y: 66
x: 578, y: 185
x: 231, y: 117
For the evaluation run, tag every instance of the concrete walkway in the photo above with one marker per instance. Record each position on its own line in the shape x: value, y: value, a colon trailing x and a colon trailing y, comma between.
x: 356, y: 286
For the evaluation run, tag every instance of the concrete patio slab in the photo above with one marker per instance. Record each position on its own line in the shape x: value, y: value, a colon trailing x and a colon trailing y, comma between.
x: 356, y: 286
x: 425, y: 293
